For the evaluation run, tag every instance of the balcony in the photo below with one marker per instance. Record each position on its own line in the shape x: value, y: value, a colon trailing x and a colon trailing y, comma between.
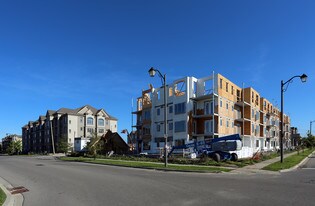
x: 241, y: 103
x: 270, y: 124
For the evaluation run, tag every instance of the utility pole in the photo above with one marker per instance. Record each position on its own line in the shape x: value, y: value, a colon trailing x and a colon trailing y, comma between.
x: 311, y: 127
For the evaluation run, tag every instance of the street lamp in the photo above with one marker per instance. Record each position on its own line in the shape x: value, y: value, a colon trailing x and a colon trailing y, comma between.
x: 152, y: 72
x: 125, y: 131
x: 303, y: 78
x: 311, y: 127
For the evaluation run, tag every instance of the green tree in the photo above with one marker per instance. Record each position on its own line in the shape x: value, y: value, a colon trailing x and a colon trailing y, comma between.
x: 95, y: 146
x: 63, y: 146
x: 15, y: 147
x: 309, y: 141
x: 18, y: 146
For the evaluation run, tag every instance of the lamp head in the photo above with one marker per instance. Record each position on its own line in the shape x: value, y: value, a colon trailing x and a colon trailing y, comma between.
x: 303, y: 78
x: 152, y: 72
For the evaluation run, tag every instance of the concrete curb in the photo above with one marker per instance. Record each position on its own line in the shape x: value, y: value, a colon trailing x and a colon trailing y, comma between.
x: 298, y: 165
x: 11, y: 200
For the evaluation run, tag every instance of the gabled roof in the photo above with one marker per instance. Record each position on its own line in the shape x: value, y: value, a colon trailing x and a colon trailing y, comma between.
x: 65, y: 111
x: 89, y: 107
x: 42, y: 118
x: 50, y: 112
x: 25, y: 127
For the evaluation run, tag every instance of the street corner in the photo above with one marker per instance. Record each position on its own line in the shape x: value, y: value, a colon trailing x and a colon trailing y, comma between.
x: 13, y: 194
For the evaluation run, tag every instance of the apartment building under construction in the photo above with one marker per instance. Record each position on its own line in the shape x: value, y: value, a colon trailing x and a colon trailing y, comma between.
x: 205, y: 108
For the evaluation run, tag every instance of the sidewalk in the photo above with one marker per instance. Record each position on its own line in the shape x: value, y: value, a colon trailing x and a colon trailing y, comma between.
x: 257, y: 168
x: 11, y: 200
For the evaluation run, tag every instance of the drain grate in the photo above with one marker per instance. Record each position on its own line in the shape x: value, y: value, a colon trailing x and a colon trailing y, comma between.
x: 17, y: 190
x: 39, y: 165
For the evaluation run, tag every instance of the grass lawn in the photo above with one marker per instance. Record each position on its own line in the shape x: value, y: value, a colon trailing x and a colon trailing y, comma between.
x: 2, y: 197
x: 150, y: 165
x: 289, y: 162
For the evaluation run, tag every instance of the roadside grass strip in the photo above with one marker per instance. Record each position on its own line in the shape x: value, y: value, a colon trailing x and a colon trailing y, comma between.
x: 148, y: 165
x: 289, y: 162
x: 2, y: 197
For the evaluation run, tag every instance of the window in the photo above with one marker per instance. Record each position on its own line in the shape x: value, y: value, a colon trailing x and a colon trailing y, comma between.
x: 69, y: 121
x: 257, y: 115
x: 227, y: 87
x: 147, y: 115
x: 257, y: 143
x: 227, y: 105
x: 227, y: 123
x: 101, y: 122
x: 195, y: 88
x: 100, y: 130
x: 81, y: 119
x: 146, y: 145
x: 256, y: 99
x: 253, y: 113
x: 180, y: 108
x: 232, y: 90
x: 208, y: 108
x: 220, y: 83
x: 221, y: 122
x: 70, y: 131
x: 170, y: 109
x: 232, y: 108
x: 158, y: 111
x: 90, y: 121
x: 170, y: 126
x: 81, y: 128
x: 220, y: 102
x: 208, y: 126
x: 252, y: 128
x: 232, y: 124
x: 91, y: 130
x: 180, y: 126
x: 158, y: 94
x: 158, y: 127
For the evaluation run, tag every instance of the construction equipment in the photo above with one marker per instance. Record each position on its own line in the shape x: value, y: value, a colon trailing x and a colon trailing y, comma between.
x: 218, y: 148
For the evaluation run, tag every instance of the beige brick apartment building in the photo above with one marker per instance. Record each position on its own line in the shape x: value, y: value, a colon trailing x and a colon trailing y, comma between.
x: 83, y: 122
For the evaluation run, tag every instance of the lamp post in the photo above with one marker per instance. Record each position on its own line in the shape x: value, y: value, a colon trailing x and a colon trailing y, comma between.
x: 303, y: 78
x: 125, y: 131
x: 311, y: 127
x: 152, y: 72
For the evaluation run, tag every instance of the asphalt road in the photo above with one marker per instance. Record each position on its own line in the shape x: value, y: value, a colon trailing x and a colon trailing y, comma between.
x: 55, y: 183
x: 310, y: 164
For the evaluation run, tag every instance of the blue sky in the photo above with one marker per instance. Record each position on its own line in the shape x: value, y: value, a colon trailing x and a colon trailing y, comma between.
x: 68, y: 53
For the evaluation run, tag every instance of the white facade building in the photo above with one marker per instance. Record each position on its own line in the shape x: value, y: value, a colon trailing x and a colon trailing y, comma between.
x: 205, y: 108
